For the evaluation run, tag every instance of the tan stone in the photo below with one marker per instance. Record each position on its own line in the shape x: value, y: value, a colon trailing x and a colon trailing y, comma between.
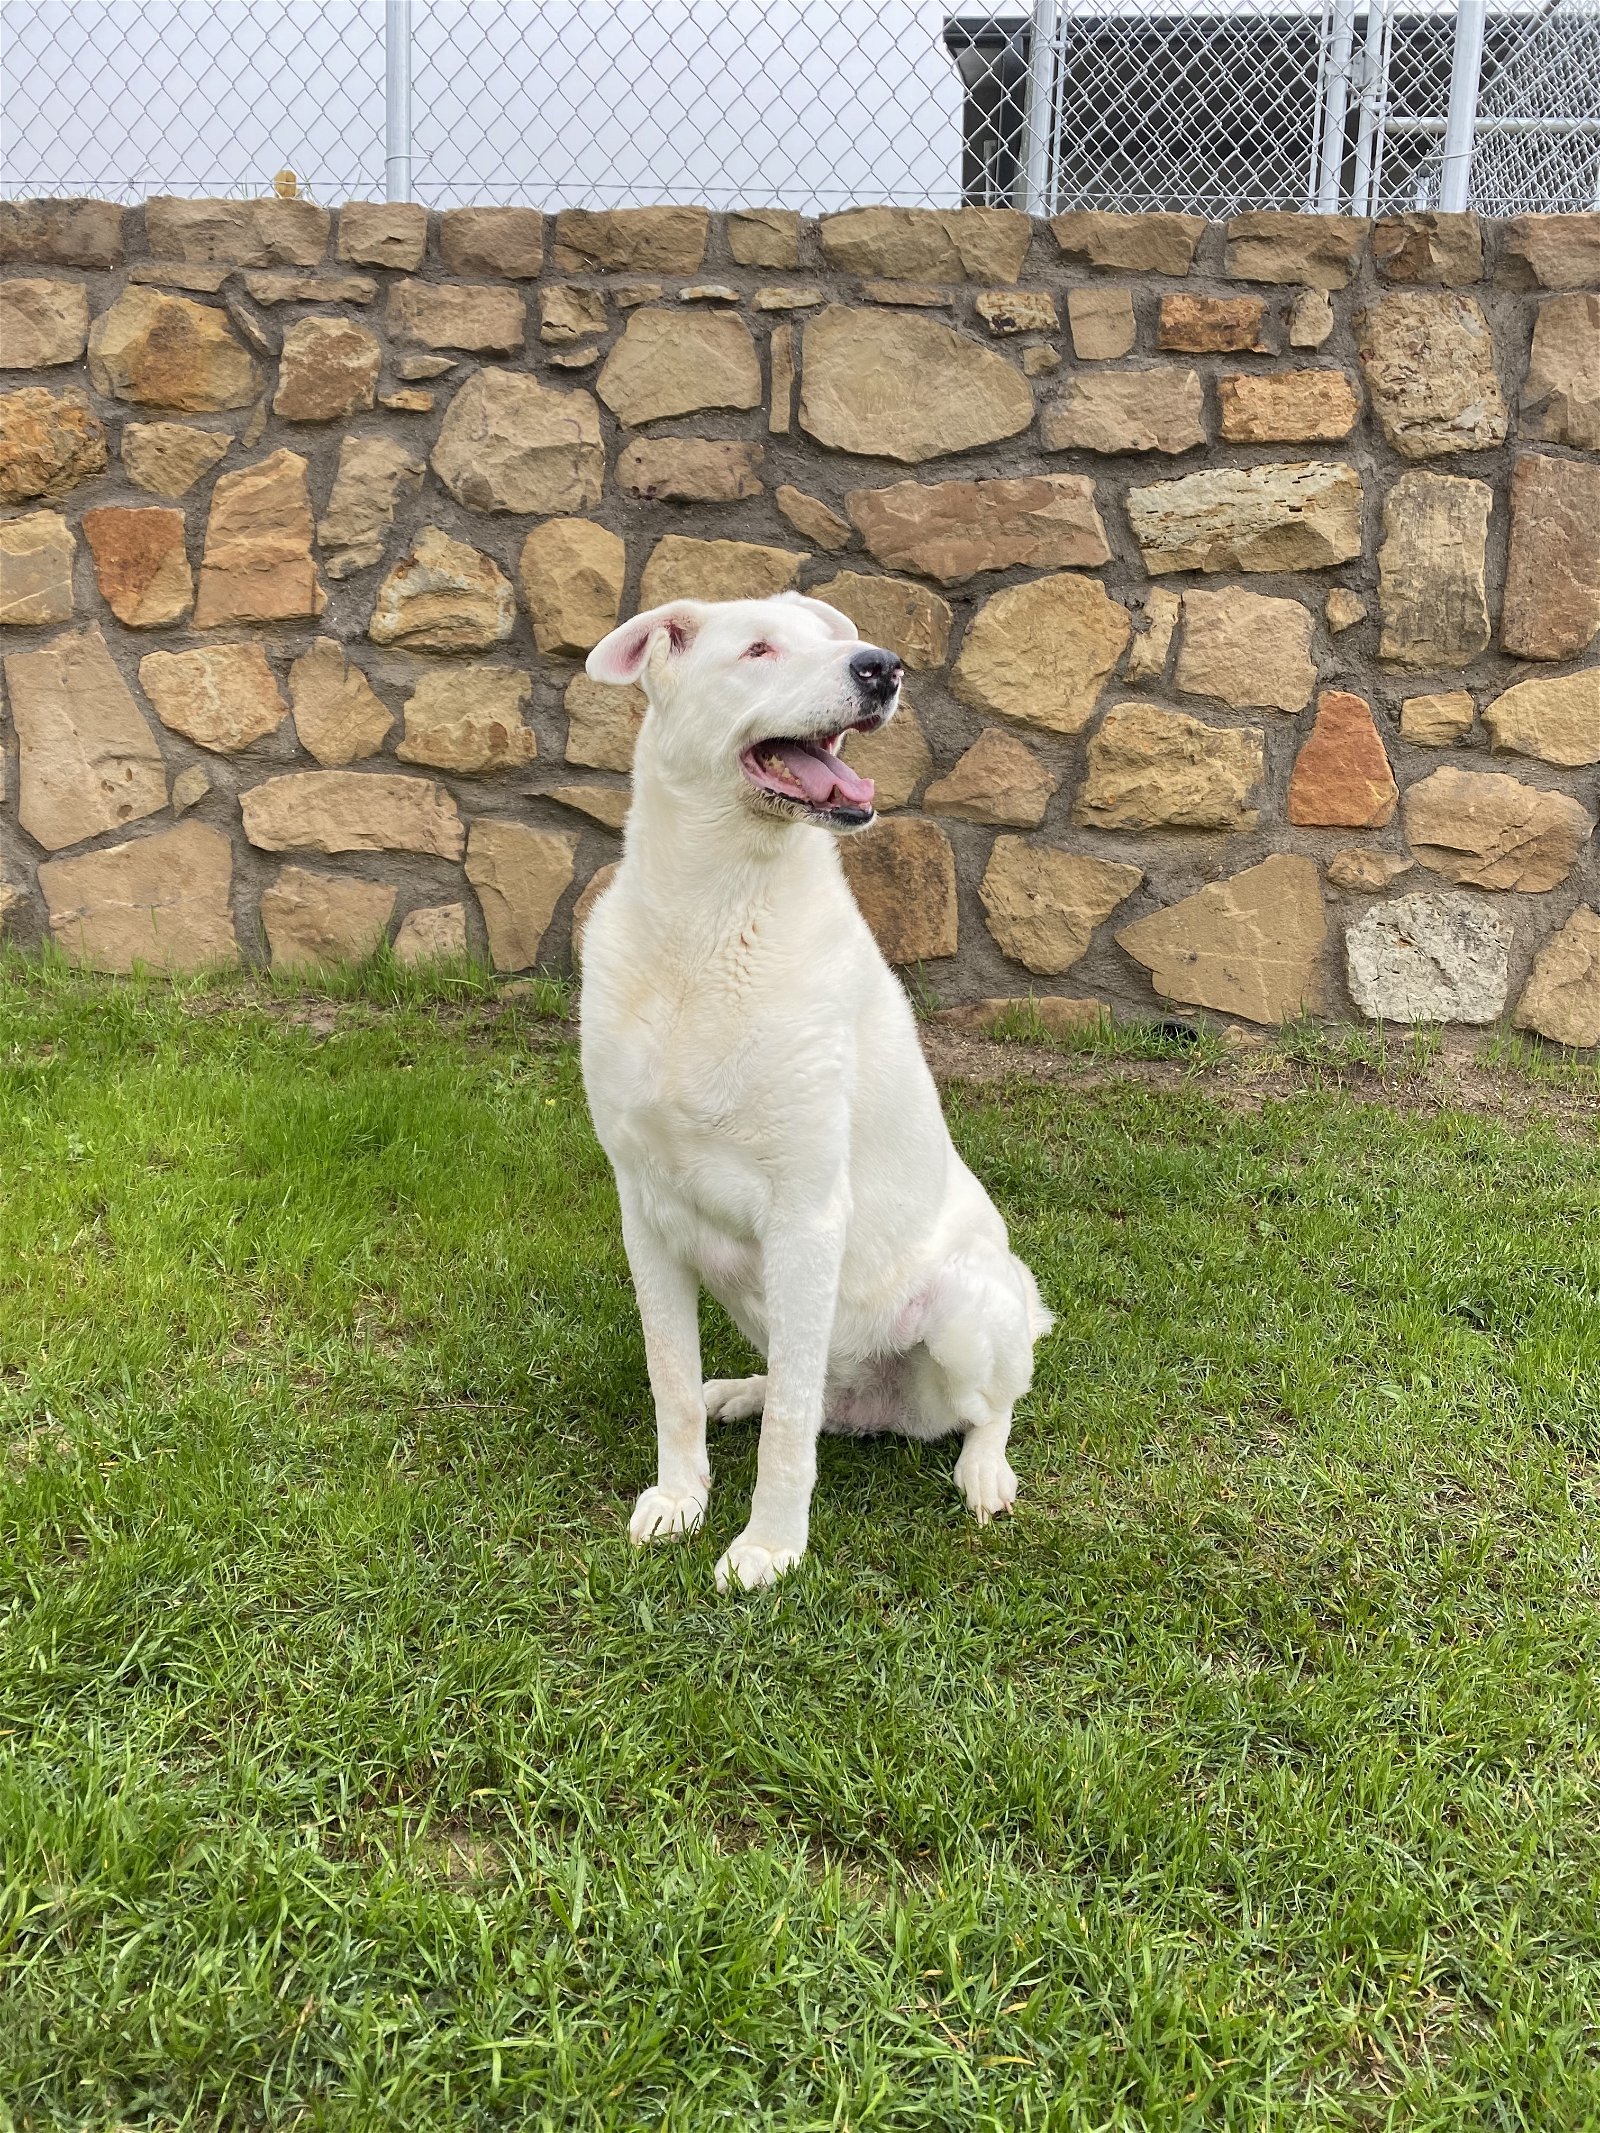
x: 61, y: 233
x: 162, y: 902
x: 329, y: 368
x: 1040, y: 361
x: 245, y: 233
x: 627, y: 294
x: 907, y: 619
x: 168, y: 458
x: 679, y: 362
x: 352, y: 811
x: 951, y: 530
x: 780, y: 398
x: 1007, y: 311
x: 374, y: 474
x: 1551, y: 608
x: 1246, y: 650
x: 785, y: 296
x: 383, y: 234
x: 42, y: 323
x: 423, y: 366
x: 896, y: 758
x: 602, y: 723
x: 1127, y: 411
x: 49, y: 442
x: 1432, y: 599
x: 1310, y: 319
x: 478, y: 318
x: 902, y: 874
x: 88, y: 761
x: 1364, y: 872
x: 928, y: 244
x: 764, y: 236
x: 999, y: 779
x: 257, y: 563
x: 689, y: 470
x: 1052, y: 1014
x: 568, y: 314
x: 1551, y: 252
x: 337, y: 714
x: 1426, y: 246
x: 1298, y: 515
x: 1561, y: 1000
x: 444, y: 597
x: 1039, y: 653
x: 164, y: 351
x: 1250, y: 946
x: 221, y: 696
x: 637, y: 240
x: 1102, y: 323
x: 1489, y: 831
x: 1429, y: 361
x: 189, y: 788
x: 1042, y: 904
x: 36, y: 558
x: 140, y: 564
x: 316, y: 919
x: 492, y: 241
x: 510, y: 442
x: 596, y: 886
x: 682, y: 569
x: 1135, y: 244
x: 469, y: 719
x: 709, y: 292
x: 1556, y: 719
x: 432, y: 933
x: 274, y: 285
x: 605, y: 804
x: 895, y: 385
x: 1287, y: 407
x: 1154, y: 623
x: 520, y: 874
x: 1343, y: 609
x: 1437, y: 721
x: 1210, y: 325
x: 1341, y: 777
x: 571, y: 571
x: 812, y: 519
x: 1561, y: 393
x: 1318, y: 251
x: 1156, y: 769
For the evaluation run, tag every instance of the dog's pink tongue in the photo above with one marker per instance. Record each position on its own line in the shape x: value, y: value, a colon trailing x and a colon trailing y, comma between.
x: 824, y: 780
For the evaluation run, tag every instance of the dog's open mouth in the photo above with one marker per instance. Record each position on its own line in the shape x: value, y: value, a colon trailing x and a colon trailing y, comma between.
x: 809, y: 773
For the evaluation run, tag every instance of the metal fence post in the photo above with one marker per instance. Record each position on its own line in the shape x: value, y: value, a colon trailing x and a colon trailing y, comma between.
x: 1039, y: 149
x: 1335, y: 107
x: 1466, y: 64
x: 397, y: 99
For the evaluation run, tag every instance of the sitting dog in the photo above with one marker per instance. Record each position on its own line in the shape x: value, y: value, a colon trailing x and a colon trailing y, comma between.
x: 755, y: 1078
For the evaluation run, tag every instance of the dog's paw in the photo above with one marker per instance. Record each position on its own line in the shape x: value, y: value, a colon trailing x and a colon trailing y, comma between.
x: 733, y: 1399
x: 984, y: 1476
x: 662, y: 1514
x: 749, y: 1565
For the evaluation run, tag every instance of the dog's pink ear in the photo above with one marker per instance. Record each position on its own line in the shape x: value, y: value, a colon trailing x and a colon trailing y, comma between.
x: 622, y: 656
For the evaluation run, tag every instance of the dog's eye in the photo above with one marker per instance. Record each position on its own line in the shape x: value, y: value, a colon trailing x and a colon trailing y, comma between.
x: 760, y: 650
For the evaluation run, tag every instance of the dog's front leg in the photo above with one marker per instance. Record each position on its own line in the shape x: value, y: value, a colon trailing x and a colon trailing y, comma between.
x: 669, y: 1311
x: 802, y: 1254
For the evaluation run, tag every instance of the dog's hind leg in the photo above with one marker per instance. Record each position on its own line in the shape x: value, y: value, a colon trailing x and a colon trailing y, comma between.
x: 978, y: 1327
x: 733, y: 1399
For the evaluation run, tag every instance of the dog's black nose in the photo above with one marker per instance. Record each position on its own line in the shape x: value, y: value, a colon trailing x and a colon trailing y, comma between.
x: 877, y: 672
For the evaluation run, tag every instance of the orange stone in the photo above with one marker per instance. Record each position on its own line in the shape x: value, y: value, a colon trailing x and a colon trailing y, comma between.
x: 1342, y: 778
x: 140, y: 562
x: 1211, y: 325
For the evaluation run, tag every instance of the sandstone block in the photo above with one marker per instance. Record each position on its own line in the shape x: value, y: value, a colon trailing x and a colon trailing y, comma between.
x: 257, y: 563
x: 764, y: 236
x: 679, y: 362
x: 605, y: 804
x: 223, y: 696
x: 928, y: 244
x: 781, y: 373
x: 568, y: 314
x: 1039, y: 653
x: 329, y: 368
x: 896, y: 758
x: 444, y: 597
x: 1561, y: 393
x: 1210, y: 325
x: 509, y: 442
x: 168, y: 458
x: 374, y: 475
x: 1432, y: 599
x: 1317, y: 251
x: 36, y: 558
x: 352, y: 811
x: 1439, y: 958
x: 1341, y: 777
x: 244, y: 233
x: 789, y: 296
x: 383, y: 234
x: 162, y: 901
x: 1246, y: 650
x: 1041, y: 361
x: 1555, y: 719
x: 602, y: 723
x: 337, y: 714
x: 1551, y: 608
x: 1299, y: 515
x: 895, y: 385
x: 683, y: 569
x: 1429, y: 361
x: 469, y: 719
x: 999, y: 779
x: 282, y: 285
x: 1102, y: 323
x: 1249, y: 946
x: 49, y: 442
x: 1134, y: 244
x: 1561, y: 1000
x: 492, y: 242
x: 189, y: 788
x: 1489, y: 831
x: 1429, y: 247
x: 164, y: 351
x: 1127, y: 411
x: 811, y: 518
x: 42, y: 323
x: 1056, y: 1014
x: 1155, y: 769
x: 1042, y: 904
x: 316, y: 919
x: 637, y: 240
x: 1551, y: 252
x: 1154, y: 623
x: 88, y: 762
x: 140, y: 564
x: 690, y: 470
x: 951, y: 530
x: 1007, y: 311
x: 1343, y: 609
x: 61, y: 233
x: 572, y: 573
x: 903, y: 875
x: 1287, y: 407
x: 596, y: 886
x: 520, y: 874
x: 432, y: 933
x: 904, y: 618
x: 477, y: 318
x: 1437, y: 721
x: 1365, y: 872
x: 1310, y: 319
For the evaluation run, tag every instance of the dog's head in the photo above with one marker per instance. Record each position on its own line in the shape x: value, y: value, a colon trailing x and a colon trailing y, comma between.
x: 752, y: 698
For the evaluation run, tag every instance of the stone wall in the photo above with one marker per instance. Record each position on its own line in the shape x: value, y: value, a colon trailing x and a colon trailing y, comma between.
x: 1248, y: 578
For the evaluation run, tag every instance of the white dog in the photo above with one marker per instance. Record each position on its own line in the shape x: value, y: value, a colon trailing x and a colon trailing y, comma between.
x: 756, y: 1080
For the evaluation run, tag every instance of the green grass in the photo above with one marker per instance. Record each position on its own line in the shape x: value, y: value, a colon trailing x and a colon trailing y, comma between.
x: 354, y: 1773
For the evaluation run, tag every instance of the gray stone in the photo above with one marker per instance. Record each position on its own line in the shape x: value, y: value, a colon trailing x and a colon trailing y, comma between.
x: 1438, y: 958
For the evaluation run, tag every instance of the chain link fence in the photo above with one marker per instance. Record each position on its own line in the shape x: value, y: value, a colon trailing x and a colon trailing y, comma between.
x: 1204, y: 105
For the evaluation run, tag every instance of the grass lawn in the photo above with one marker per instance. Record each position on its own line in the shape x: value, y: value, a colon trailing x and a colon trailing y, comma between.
x: 355, y: 1773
